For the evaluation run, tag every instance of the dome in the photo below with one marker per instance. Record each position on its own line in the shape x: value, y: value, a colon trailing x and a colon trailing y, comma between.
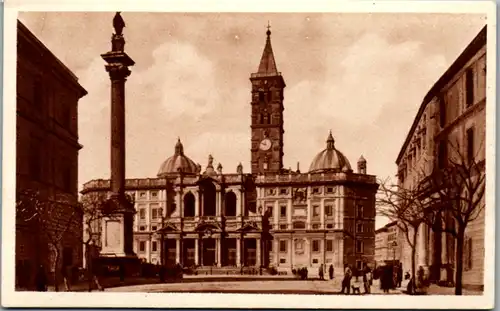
x: 330, y: 159
x: 177, y: 162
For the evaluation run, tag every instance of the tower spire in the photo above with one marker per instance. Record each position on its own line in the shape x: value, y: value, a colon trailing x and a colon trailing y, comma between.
x: 267, y: 64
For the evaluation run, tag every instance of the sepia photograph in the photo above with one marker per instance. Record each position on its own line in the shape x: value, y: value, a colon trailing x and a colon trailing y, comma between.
x: 225, y: 155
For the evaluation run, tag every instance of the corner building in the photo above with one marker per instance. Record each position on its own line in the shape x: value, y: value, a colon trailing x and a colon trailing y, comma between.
x: 270, y: 217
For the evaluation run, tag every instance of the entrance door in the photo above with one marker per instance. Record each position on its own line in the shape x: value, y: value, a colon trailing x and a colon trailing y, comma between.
x: 230, y: 251
x: 188, y: 252
x: 209, y: 252
x: 250, y: 252
x: 170, y: 252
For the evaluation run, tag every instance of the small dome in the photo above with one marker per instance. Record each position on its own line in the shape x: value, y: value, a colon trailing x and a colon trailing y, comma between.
x: 177, y: 162
x: 330, y: 159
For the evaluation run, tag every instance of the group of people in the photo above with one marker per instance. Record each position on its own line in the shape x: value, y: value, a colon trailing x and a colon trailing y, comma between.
x: 391, y: 277
x: 347, y: 285
x: 321, y: 272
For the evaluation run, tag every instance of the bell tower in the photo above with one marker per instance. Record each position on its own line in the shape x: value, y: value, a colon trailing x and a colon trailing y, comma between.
x: 267, y: 114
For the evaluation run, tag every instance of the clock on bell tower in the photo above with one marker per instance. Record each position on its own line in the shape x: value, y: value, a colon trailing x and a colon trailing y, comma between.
x: 267, y: 114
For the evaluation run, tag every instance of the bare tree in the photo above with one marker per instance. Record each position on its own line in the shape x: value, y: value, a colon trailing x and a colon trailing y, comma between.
x: 406, y: 207
x: 458, y: 191
x: 54, y: 217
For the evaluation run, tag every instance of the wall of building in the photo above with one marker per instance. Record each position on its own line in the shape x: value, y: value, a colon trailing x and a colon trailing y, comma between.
x: 454, y: 106
x: 47, y: 152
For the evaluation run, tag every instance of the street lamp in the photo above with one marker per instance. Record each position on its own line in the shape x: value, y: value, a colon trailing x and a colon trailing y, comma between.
x: 394, y: 245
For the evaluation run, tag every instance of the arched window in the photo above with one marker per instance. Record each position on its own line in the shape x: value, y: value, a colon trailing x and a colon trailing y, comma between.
x: 209, y: 198
x: 230, y: 204
x: 189, y: 202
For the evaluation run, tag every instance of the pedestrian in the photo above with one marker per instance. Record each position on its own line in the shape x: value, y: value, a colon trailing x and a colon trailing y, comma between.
x: 366, y: 282
x: 330, y: 272
x: 346, y: 281
x: 321, y: 276
x: 65, y: 278
x: 399, y: 275
x: 41, y: 279
x: 386, y: 279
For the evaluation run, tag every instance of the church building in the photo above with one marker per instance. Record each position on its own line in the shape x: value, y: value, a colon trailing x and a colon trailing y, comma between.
x: 270, y: 217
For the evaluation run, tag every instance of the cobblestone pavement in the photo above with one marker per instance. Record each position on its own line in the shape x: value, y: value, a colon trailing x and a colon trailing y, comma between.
x: 282, y: 286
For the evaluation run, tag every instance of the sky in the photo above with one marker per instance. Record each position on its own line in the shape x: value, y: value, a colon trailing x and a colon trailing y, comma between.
x: 363, y: 76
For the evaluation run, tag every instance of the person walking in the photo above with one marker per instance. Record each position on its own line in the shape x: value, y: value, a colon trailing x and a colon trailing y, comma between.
x: 386, y: 279
x: 346, y: 281
x: 366, y: 280
x: 41, y: 279
x: 399, y: 280
x: 330, y: 272
x: 320, y: 272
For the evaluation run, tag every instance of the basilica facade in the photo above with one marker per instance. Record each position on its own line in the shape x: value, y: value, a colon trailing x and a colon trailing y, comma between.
x: 269, y: 217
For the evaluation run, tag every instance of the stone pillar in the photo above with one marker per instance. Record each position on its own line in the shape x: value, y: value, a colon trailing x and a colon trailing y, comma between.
x: 276, y: 251
x: 197, y: 203
x: 289, y: 214
x: 119, y: 207
x: 258, y: 252
x: 218, y: 247
x: 196, y: 251
x: 238, y: 252
x: 322, y: 213
x: 290, y: 250
x: 308, y: 252
x: 178, y: 251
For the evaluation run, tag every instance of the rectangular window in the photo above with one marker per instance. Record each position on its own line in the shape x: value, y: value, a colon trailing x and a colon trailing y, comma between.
x: 442, y: 154
x: 282, y: 260
x: 283, y: 246
x: 315, y: 190
x: 315, y: 226
x: 329, y: 226
x: 142, y: 228
x: 329, y: 210
x: 359, y: 265
x: 142, y: 213
x: 283, y: 191
x: 156, y: 213
x: 35, y: 160
x: 154, y: 194
x: 469, y: 87
x: 359, y: 227
x: 283, y: 226
x: 283, y: 210
x: 470, y: 145
x: 154, y: 246
x: 359, y: 211
x: 329, y: 190
x: 154, y: 228
x: 315, y: 260
x: 270, y: 210
x: 142, y: 246
x: 442, y: 112
x: 329, y: 245
x: 315, y: 246
x: 142, y: 195
x: 359, y: 246
x: 315, y: 210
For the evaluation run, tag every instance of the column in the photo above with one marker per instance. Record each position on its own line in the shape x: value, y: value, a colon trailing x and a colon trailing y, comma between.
x: 196, y: 251
x: 218, y: 251
x: 308, y: 210
x: 322, y: 248
x: 196, y: 203
x: 238, y: 252
x: 276, y: 214
x: 289, y: 214
x: 308, y: 250
x: 217, y: 203
x: 177, y: 251
x: 276, y: 252
x: 322, y: 213
x: 258, y: 252
x: 290, y: 250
